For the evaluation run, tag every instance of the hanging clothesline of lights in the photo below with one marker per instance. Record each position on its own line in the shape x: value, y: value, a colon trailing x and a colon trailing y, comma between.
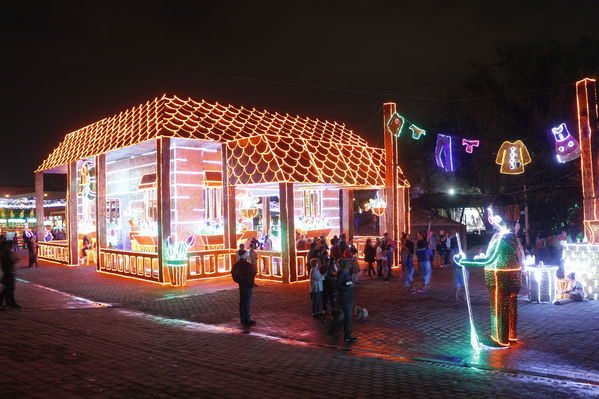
x: 511, y: 156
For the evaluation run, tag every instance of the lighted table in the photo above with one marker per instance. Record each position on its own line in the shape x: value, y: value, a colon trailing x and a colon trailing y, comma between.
x: 542, y: 283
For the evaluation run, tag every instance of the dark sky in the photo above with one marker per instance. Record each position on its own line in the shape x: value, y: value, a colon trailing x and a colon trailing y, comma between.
x: 66, y: 64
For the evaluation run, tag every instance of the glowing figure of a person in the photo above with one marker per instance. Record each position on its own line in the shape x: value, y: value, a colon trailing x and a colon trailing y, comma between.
x: 502, y: 264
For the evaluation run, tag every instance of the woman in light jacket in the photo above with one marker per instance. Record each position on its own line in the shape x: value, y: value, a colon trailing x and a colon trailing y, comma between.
x: 316, y: 287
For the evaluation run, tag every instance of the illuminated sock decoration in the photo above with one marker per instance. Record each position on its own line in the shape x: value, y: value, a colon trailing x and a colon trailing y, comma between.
x: 566, y: 146
x: 443, y: 154
x: 417, y: 132
x: 470, y: 144
x: 502, y: 267
x: 395, y: 124
x: 512, y: 157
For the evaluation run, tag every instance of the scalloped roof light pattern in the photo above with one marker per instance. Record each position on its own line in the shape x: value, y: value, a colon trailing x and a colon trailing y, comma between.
x: 262, y: 147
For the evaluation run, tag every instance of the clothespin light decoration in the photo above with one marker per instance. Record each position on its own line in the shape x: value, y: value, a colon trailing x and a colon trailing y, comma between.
x: 566, y: 146
x: 417, y: 132
x: 512, y: 156
x: 443, y: 153
x: 378, y: 205
x: 395, y: 124
x: 470, y: 144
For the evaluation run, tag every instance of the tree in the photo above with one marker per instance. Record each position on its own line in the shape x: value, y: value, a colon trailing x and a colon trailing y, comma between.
x: 528, y: 89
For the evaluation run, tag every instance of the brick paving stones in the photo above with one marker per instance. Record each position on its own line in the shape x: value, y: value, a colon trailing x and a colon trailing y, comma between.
x: 126, y: 341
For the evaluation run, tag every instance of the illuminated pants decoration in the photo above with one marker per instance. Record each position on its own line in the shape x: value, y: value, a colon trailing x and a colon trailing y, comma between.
x: 443, y: 156
x: 503, y: 290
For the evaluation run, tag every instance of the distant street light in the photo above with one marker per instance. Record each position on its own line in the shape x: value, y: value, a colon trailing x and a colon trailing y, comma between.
x: 451, y: 191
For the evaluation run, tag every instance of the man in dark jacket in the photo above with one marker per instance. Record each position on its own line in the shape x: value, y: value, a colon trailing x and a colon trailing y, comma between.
x: 7, y: 260
x: 346, y: 297
x: 243, y: 274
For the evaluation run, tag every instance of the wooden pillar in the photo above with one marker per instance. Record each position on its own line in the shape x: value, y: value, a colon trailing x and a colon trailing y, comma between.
x: 391, y: 225
x: 72, y: 213
x: 100, y: 206
x: 287, y: 232
x: 163, y: 197
x: 347, y: 213
x: 229, y: 218
x: 586, y: 96
x: 265, y: 215
x: 39, y: 205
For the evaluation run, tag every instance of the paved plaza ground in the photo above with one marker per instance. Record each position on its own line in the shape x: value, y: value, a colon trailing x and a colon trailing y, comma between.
x: 85, y: 334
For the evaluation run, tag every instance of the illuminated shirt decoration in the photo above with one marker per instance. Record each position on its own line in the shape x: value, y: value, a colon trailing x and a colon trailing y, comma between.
x: 566, y: 146
x: 443, y: 155
x: 512, y: 157
x: 417, y: 132
x: 470, y: 144
x: 395, y: 124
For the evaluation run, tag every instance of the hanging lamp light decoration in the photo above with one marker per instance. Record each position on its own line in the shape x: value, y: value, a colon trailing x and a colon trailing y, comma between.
x: 378, y: 205
x: 249, y: 208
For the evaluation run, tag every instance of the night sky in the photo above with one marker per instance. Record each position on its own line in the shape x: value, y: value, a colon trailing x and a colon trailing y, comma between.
x: 70, y: 63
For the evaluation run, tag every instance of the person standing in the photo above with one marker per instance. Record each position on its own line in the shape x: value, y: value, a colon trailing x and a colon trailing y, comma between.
x: 442, y: 247
x: 369, y: 252
x: 243, y: 274
x: 316, y: 287
x: 15, y: 242
x: 346, y: 298
x: 425, y: 258
x: 7, y: 295
x: 336, y: 252
x: 378, y: 257
x: 540, y: 248
x: 432, y: 244
x: 28, y: 243
x: 329, y: 269
x: 389, y: 254
x: 407, y: 261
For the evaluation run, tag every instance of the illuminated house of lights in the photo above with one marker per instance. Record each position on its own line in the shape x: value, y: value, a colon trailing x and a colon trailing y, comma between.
x: 221, y: 173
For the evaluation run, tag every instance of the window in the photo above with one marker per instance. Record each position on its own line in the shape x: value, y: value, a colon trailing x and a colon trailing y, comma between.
x: 213, y: 203
x: 312, y: 203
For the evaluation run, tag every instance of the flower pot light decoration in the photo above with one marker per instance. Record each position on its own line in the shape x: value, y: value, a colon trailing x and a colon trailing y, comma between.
x: 377, y: 205
x: 248, y: 209
x: 176, y: 259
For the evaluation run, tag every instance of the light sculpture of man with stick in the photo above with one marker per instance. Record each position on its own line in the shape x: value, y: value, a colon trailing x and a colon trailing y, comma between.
x: 502, y: 265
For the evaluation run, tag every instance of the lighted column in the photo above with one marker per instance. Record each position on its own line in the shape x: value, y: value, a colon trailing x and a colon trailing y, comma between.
x: 347, y: 215
x: 72, y: 213
x: 163, y: 197
x: 100, y: 206
x: 265, y: 215
x: 391, y: 181
x: 287, y: 232
x: 39, y: 205
x: 586, y: 96
x: 230, y: 222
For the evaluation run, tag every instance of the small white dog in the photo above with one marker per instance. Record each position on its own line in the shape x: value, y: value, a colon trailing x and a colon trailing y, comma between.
x: 361, y: 313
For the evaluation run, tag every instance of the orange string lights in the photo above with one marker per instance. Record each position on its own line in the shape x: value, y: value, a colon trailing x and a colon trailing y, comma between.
x: 264, y: 147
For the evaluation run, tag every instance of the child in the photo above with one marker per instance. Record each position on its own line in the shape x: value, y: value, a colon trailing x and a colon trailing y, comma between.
x: 575, y: 291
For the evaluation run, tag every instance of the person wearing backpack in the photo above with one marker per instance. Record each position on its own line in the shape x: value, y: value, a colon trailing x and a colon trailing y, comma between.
x: 243, y: 274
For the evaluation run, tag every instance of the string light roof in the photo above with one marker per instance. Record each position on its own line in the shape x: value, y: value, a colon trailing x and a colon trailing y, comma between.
x: 262, y: 147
